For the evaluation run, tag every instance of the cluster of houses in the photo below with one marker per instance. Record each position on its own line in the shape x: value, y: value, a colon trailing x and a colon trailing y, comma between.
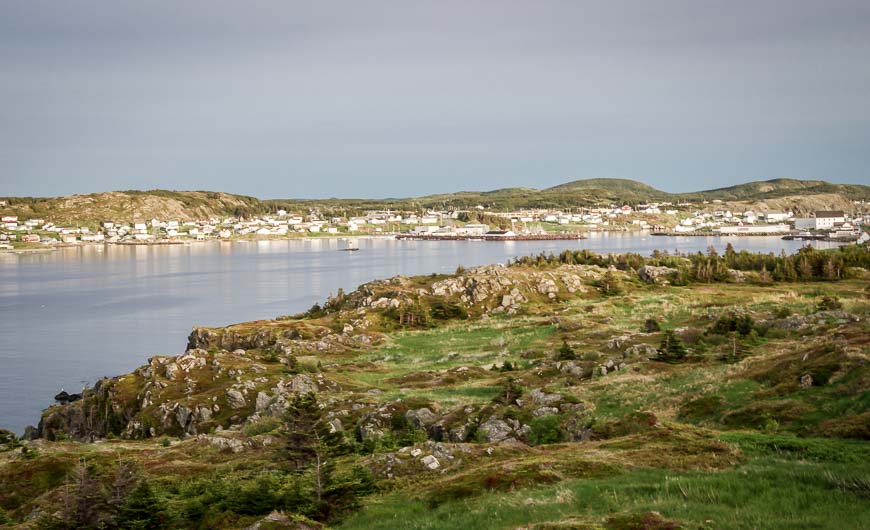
x: 280, y: 224
x: 648, y: 216
x: 834, y: 224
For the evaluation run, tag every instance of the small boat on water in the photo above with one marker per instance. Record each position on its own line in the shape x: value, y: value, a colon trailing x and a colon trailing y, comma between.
x: 352, y: 246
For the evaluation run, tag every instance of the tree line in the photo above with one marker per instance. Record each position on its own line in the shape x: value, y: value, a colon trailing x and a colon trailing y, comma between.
x: 807, y: 264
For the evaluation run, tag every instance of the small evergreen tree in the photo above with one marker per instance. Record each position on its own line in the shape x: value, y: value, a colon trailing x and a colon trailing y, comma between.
x: 141, y: 510
x: 737, y: 349
x: 82, y: 498
x: 609, y: 284
x: 310, y: 444
x: 764, y: 277
x: 672, y: 348
x: 511, y: 391
x: 566, y: 352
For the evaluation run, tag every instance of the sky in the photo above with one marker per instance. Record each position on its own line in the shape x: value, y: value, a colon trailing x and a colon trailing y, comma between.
x: 380, y: 98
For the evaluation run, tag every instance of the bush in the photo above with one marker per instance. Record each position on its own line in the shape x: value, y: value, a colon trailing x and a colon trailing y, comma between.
x: 262, y: 427
x: 609, y: 284
x: 441, y: 310
x: 782, y: 312
x: 651, y: 326
x: 510, y: 392
x: 732, y: 322
x: 565, y: 352
x: 269, y: 355
x: 829, y: 303
x: 546, y: 430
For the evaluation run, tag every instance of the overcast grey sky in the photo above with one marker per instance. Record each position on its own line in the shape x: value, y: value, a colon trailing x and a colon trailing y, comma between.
x: 396, y: 98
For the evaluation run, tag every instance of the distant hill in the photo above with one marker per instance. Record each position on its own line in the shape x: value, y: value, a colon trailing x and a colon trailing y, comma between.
x: 776, y: 188
x: 770, y: 195
x: 609, y: 184
x: 133, y: 206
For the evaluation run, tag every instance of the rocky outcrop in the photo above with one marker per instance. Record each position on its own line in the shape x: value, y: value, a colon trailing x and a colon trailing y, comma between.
x: 658, y: 275
x: 800, y: 323
x: 279, y: 521
x: 503, y: 430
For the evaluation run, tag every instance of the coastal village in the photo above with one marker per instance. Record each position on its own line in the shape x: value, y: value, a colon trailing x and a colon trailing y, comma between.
x: 707, y: 218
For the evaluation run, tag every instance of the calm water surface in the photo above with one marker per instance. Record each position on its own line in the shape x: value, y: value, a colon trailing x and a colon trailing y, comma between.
x: 71, y: 316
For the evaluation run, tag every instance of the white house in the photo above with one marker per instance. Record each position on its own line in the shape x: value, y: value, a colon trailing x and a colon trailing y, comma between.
x: 422, y: 230
x: 475, y: 229
x: 776, y: 217
x: 822, y: 220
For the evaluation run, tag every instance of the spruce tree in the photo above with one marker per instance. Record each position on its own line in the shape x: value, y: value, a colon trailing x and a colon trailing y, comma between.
x: 141, y: 509
x: 672, y: 349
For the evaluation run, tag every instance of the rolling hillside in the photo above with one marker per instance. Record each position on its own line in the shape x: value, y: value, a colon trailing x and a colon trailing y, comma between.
x: 776, y: 188
x: 778, y: 194
x: 132, y: 206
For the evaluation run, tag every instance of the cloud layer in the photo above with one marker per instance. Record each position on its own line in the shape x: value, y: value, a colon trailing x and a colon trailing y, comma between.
x: 396, y: 98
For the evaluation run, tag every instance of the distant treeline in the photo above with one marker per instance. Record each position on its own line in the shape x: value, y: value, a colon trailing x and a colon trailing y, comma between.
x: 808, y: 264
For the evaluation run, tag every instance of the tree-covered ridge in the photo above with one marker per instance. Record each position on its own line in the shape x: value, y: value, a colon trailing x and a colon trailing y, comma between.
x: 808, y: 264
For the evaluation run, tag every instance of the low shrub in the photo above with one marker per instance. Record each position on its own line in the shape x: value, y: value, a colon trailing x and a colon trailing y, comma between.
x: 565, y: 352
x: 546, y: 430
x: 829, y: 303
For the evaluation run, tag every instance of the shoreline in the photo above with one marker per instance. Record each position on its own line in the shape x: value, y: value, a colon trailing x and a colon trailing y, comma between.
x: 401, y: 237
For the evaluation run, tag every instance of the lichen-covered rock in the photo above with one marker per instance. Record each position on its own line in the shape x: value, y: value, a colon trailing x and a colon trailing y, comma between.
x: 171, y: 370
x: 430, y: 462
x: 643, y: 350
x: 495, y: 430
x: 570, y: 368
x: 224, y: 443
x: 263, y: 401
x: 421, y: 418
x: 235, y: 399
x: 659, y: 275
x: 542, y: 399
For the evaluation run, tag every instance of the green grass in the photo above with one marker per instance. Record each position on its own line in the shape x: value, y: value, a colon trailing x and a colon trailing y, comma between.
x: 450, y: 396
x: 768, y: 492
x: 450, y: 347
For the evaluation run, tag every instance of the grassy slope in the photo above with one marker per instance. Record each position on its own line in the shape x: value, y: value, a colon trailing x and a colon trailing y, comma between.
x: 728, y: 450
x: 132, y: 206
